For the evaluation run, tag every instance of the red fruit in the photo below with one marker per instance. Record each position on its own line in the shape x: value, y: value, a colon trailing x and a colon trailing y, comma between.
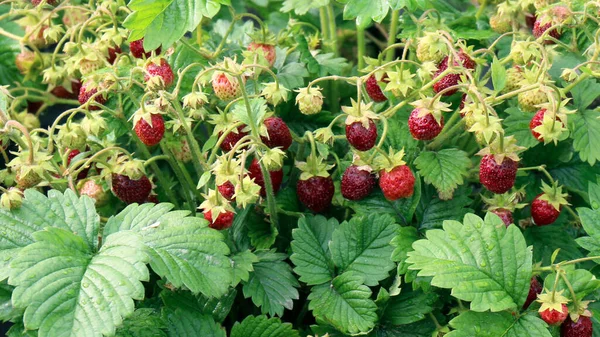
x: 497, y: 178
x: 49, y: 2
x: 112, y: 54
x: 530, y: 20
x: 542, y: 212
x: 152, y: 198
x: 255, y: 173
x: 424, y: 128
x: 163, y: 70
x: 535, y: 288
x: 361, y: 138
x: 315, y: 193
x: 129, y: 190
x: 582, y: 328
x: 268, y: 50
x: 505, y: 215
x: 227, y: 190
x: 279, y: 134
x: 62, y: 92
x: 537, y: 121
x: 223, y: 220
x: 397, y: 183
x: 451, y: 79
x: 357, y: 183
x: 539, y: 29
x: 232, y: 138
x: 555, y: 317
x: 138, y: 51
x: 85, y: 95
x: 374, y: 90
x: 150, y: 134
x: 72, y: 155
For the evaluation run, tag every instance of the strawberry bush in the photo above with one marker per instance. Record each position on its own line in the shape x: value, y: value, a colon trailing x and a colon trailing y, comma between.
x: 263, y: 168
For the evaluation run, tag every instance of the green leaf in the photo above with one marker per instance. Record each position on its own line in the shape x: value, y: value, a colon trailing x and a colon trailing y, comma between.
x: 365, y: 11
x: 362, y: 245
x: 7, y: 311
x: 590, y: 221
x: 183, y: 323
x: 331, y: 65
x: 9, y: 48
x: 292, y: 75
x: 145, y: 322
x: 408, y: 307
x: 585, y: 93
x: 402, y: 244
x: 135, y: 217
x: 188, y: 254
x: 586, y: 135
x: 483, y: 262
x: 498, y: 75
x: 546, y: 239
x: 18, y: 330
x: 345, y: 304
x: 517, y: 125
x: 272, y: 285
x: 432, y: 211
x: 422, y: 328
x: 301, y: 7
x: 490, y: 324
x: 262, y: 233
x: 163, y: 22
x: 311, y: 249
x: 242, y: 266
x: 258, y: 110
x: 261, y: 326
x: 68, y: 290
x: 218, y: 308
x: 444, y: 169
x: 576, y: 176
x: 582, y: 281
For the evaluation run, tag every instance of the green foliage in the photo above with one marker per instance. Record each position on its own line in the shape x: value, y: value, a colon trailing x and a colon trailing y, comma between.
x: 144, y: 322
x: 444, y: 169
x: 493, y: 324
x: 586, y: 135
x: 311, y: 249
x: 590, y: 220
x: 408, y: 307
x: 261, y: 326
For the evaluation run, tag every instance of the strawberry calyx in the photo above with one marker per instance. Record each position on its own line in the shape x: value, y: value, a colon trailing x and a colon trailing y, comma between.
x: 309, y: 100
x: 215, y: 203
x: 388, y: 162
x: 313, y: 167
x: 430, y: 105
x: 400, y: 82
x: 275, y: 93
x: 502, y: 147
x: 432, y: 46
x: 509, y: 201
x: 145, y: 113
x: 554, y: 195
x: 552, y: 300
x: 227, y: 169
x: 359, y: 112
x: 132, y: 168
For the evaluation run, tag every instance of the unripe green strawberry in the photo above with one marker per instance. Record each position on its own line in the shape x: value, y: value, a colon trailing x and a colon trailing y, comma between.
x: 500, y: 23
x: 529, y: 100
x: 514, y: 76
x: 431, y: 47
x: 309, y: 100
x: 11, y: 199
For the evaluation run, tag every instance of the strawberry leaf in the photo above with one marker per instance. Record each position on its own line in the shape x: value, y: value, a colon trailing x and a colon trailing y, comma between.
x: 402, y: 243
x: 432, y: 211
x: 345, y: 303
x: 482, y: 261
x: 586, y: 135
x: 143, y: 322
x: 582, y: 281
x: 546, y: 239
x: 444, y: 169
x: 365, y: 11
x: 590, y: 220
x: 498, y: 75
x: 261, y: 326
x: 408, y: 307
x: 493, y: 324
x: 184, y: 323
x: 218, y: 308
x: 242, y: 266
x: 517, y: 125
x: 301, y: 7
x: 362, y: 246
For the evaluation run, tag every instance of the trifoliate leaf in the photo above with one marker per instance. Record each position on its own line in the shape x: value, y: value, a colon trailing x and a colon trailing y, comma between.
x: 444, y: 169
x: 311, y: 249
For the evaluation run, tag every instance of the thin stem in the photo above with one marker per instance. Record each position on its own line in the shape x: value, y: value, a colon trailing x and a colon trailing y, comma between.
x: 570, y: 287
x: 392, y: 36
x: 360, y: 41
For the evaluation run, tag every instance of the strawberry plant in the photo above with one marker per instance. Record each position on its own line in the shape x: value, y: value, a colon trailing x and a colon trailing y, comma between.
x: 299, y: 168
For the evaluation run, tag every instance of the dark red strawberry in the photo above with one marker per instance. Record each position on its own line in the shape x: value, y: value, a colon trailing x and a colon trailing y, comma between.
x: 152, y: 198
x: 112, y: 54
x: 505, y: 215
x: 374, y: 90
x: 555, y: 317
x: 497, y: 178
x: 530, y: 20
x: 361, y: 138
x: 129, y: 190
x: 232, y: 138
x: 542, y: 212
x: 582, y: 328
x: 224, y: 220
x: 279, y: 134
x: 72, y: 155
x: 268, y: 50
x: 424, y: 128
x: 535, y: 288
x: 150, y: 134
x: 138, y: 51
x: 255, y: 173
x: 163, y: 70
x: 62, y: 92
x: 451, y: 79
x: 357, y: 183
x: 49, y: 2
x: 227, y: 190
x: 539, y: 29
x: 537, y: 121
x: 85, y: 95
x: 316, y: 193
x: 397, y: 183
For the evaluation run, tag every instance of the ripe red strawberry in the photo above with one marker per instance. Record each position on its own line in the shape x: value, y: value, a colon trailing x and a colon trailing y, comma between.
x: 555, y: 317
x: 535, y: 288
x: 497, y: 178
x: 451, y: 79
x: 361, y: 138
x: 397, y: 183
x: 62, y: 92
x: 150, y: 134
x: 227, y: 190
x: 49, y: 2
x: 374, y: 90
x: 163, y: 70
x: 357, y: 183
x: 224, y: 88
x: 232, y: 138
x: 268, y: 50
x: 138, y: 51
x: 279, y: 134
x: 424, y: 128
x: 85, y: 95
x: 255, y: 173
x: 112, y: 54
x: 152, y: 198
x: 542, y: 212
x: 223, y: 221
x: 316, y: 193
x: 72, y: 155
x: 505, y: 215
x: 530, y: 20
x: 539, y: 29
x: 129, y: 190
x: 537, y: 121
x: 582, y: 328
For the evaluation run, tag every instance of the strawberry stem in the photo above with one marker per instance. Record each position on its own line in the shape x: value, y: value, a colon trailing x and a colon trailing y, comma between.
x: 570, y: 287
x: 25, y: 132
x: 361, y: 46
x: 392, y: 34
